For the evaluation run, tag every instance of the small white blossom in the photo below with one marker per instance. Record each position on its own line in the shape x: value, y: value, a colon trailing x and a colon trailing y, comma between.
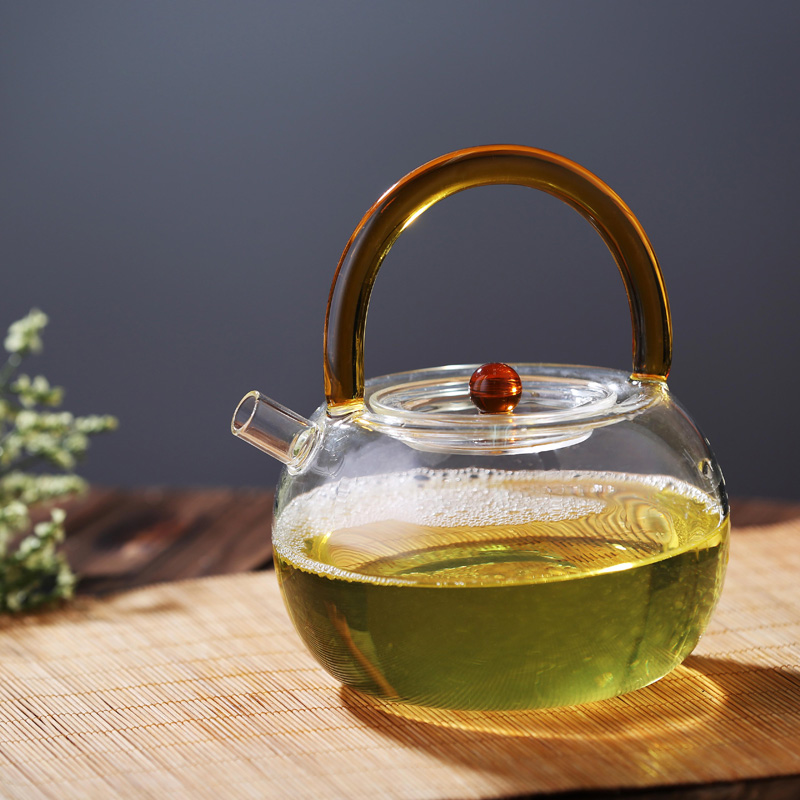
x: 24, y: 335
x: 95, y: 424
x: 36, y: 392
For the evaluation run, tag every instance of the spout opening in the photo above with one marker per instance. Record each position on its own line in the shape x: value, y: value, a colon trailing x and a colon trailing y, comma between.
x: 274, y: 429
x: 245, y: 413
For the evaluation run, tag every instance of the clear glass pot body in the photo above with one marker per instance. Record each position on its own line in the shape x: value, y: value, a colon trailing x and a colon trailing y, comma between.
x: 566, y: 552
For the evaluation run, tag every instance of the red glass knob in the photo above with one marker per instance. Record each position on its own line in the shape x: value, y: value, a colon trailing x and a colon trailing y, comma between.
x: 495, y: 388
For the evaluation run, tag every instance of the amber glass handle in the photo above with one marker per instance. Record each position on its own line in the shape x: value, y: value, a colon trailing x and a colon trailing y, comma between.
x: 346, y: 316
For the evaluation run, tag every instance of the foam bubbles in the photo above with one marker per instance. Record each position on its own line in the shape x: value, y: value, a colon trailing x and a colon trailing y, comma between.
x: 449, y: 498
x: 438, y: 498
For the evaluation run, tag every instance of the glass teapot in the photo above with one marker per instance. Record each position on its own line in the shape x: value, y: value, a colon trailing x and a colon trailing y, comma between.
x: 506, y: 537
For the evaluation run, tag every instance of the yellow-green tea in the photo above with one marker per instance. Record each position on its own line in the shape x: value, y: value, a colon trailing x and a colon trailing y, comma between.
x: 482, y: 589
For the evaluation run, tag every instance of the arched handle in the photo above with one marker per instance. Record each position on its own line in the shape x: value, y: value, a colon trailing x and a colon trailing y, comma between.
x: 346, y: 316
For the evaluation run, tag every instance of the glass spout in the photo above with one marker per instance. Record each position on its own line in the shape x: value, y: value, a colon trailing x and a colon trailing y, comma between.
x: 275, y: 430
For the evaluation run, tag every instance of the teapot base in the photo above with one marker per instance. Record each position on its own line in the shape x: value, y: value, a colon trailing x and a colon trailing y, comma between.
x: 593, y: 721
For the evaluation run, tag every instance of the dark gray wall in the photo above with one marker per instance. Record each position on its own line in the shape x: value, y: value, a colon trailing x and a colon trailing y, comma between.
x: 177, y: 182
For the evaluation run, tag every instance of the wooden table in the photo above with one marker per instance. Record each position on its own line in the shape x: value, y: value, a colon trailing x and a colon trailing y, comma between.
x: 118, y: 540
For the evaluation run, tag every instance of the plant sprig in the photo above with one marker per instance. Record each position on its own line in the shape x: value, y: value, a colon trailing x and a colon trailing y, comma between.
x: 33, y: 438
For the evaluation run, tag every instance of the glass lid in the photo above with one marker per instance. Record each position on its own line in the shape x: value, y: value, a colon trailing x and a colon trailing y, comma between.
x: 553, y: 406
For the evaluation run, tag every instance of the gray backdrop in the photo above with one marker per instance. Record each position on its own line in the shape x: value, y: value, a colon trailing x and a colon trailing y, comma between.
x: 177, y: 182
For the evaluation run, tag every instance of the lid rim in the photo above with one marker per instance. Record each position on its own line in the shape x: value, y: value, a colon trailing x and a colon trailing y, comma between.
x: 431, y: 408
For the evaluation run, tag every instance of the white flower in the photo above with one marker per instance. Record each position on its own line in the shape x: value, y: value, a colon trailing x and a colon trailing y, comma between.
x: 35, y: 572
x: 24, y: 334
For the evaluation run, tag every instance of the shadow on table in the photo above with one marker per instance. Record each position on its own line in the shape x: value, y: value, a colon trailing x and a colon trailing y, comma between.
x: 708, y: 720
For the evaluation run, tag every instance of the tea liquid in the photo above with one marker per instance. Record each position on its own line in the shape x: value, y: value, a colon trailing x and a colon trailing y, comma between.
x: 492, y: 590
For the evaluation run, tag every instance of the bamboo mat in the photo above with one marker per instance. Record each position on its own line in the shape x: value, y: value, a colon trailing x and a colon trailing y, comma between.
x: 202, y: 689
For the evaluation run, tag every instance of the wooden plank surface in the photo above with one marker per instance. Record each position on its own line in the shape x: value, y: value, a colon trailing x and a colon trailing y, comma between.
x: 120, y: 539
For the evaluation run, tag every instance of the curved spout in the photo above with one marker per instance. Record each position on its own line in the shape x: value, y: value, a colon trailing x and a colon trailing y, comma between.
x: 275, y: 430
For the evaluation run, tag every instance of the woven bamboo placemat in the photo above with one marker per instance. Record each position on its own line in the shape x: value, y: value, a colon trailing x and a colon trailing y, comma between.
x: 202, y: 689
